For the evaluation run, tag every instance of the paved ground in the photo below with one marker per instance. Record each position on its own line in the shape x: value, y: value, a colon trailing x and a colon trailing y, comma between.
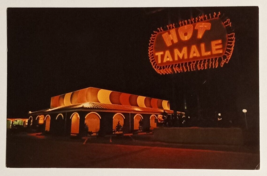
x: 35, y: 150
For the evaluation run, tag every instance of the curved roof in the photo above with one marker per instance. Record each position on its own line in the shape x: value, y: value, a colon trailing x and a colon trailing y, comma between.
x: 100, y: 106
x: 107, y: 97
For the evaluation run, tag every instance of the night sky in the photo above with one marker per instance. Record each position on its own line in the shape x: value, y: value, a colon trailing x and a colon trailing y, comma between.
x: 55, y: 51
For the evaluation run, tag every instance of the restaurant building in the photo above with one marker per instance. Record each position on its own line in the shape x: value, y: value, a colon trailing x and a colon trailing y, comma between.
x: 101, y: 110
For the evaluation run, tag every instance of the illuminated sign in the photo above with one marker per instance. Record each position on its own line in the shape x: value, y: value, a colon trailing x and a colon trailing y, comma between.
x: 195, y: 44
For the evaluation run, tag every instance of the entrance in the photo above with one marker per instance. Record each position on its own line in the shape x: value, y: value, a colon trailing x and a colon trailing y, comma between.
x: 138, y: 122
x: 153, y: 123
x: 47, y: 123
x: 75, y: 124
x: 118, y: 119
x: 92, y: 120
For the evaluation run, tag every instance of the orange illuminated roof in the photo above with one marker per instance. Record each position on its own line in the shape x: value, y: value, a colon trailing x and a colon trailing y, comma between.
x: 102, y: 107
x: 107, y: 97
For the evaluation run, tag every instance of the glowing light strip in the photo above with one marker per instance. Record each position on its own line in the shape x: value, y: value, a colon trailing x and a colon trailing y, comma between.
x: 153, y: 115
x: 119, y: 114
x: 47, y: 116
x: 59, y: 115
x: 75, y: 113
x: 138, y: 115
x: 92, y: 113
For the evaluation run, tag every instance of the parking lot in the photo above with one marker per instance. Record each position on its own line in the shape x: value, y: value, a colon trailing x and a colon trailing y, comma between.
x: 36, y: 150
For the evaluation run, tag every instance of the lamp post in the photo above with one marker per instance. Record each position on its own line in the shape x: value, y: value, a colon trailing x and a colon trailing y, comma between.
x: 245, y: 112
x: 219, y: 119
x: 219, y: 116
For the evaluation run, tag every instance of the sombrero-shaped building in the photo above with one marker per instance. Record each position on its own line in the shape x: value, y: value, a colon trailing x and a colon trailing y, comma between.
x: 101, y: 110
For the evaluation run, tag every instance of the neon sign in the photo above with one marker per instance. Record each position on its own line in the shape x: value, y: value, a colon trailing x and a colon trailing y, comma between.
x: 198, y: 43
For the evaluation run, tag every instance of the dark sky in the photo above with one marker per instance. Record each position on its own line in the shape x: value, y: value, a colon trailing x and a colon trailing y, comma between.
x: 55, y: 51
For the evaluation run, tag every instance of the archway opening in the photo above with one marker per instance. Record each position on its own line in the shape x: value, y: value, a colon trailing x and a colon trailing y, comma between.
x: 137, y: 122
x: 153, y: 123
x: 30, y: 120
x: 118, y: 120
x: 75, y: 124
x: 40, y: 119
x: 92, y: 120
x: 59, y: 124
x: 47, y: 123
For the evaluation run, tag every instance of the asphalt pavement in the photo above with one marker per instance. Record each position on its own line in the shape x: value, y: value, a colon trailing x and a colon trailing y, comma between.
x: 35, y: 150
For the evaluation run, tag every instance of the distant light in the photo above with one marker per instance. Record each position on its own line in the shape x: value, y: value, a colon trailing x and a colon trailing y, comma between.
x: 189, y: 117
x: 219, y: 119
x: 219, y: 114
x: 244, y: 111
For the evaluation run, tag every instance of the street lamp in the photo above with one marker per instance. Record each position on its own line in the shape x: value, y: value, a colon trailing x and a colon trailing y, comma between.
x: 245, y: 112
x: 219, y: 117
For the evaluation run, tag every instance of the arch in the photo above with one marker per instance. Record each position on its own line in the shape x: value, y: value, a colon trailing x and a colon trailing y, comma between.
x: 60, y: 114
x: 47, y: 122
x: 153, y: 123
x: 59, y: 124
x: 40, y: 119
x: 75, y: 123
x: 137, y: 119
x: 118, y: 118
x: 92, y: 120
x: 30, y: 120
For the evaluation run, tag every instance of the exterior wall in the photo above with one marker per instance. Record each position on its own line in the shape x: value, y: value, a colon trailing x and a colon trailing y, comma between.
x: 146, y: 122
x: 127, y: 123
x: 106, y: 123
x: 62, y: 126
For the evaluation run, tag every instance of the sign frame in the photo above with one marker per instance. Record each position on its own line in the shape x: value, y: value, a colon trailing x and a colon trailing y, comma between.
x: 193, y: 65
